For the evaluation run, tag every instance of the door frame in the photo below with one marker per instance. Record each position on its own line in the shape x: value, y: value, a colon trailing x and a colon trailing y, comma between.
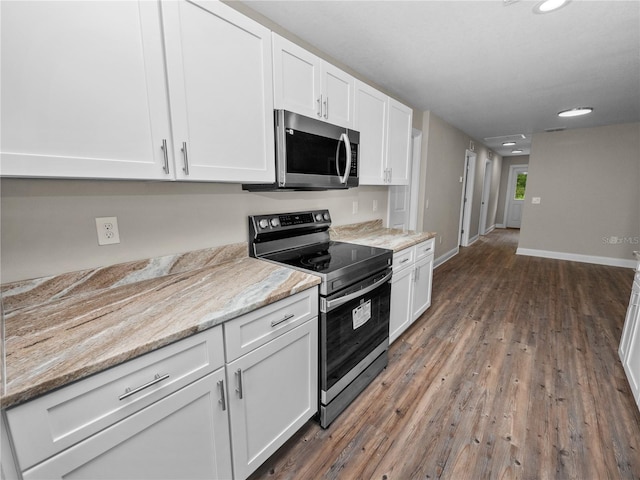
x: 467, y: 193
x: 510, y: 187
x: 486, y: 193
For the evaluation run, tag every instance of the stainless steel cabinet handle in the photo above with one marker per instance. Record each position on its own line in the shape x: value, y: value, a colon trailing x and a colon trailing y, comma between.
x: 405, y: 260
x: 239, y: 382
x: 186, y: 158
x: 284, y: 319
x: 222, y: 399
x: 326, y: 107
x: 320, y: 106
x: 128, y: 392
x: 166, y: 156
x: 417, y: 277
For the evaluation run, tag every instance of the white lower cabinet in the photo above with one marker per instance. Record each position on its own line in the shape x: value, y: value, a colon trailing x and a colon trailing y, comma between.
x: 183, y: 411
x: 410, y: 287
x: 273, y: 392
x: 629, y: 349
x: 272, y: 373
x: 184, y: 435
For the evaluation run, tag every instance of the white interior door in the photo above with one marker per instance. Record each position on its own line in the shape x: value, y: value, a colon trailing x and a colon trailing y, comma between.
x: 467, y: 197
x: 403, y: 199
x: 516, y: 195
x: 486, y: 191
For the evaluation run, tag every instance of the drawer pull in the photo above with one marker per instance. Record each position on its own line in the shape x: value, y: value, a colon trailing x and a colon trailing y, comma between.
x: 405, y: 260
x: 239, y: 383
x: 128, y: 392
x: 222, y: 400
x: 283, y: 319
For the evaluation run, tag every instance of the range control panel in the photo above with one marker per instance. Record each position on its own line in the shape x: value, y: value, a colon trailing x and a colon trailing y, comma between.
x: 290, y: 221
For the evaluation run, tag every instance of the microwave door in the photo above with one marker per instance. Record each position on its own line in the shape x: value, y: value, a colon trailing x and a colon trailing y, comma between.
x: 313, y: 161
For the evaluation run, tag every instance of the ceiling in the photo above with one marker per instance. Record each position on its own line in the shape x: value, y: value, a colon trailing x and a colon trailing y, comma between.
x: 491, y: 68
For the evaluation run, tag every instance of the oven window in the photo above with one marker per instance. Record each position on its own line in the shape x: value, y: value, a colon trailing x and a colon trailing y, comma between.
x: 342, y: 347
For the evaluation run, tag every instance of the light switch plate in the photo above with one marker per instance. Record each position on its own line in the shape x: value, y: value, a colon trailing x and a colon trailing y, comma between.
x: 535, y: 200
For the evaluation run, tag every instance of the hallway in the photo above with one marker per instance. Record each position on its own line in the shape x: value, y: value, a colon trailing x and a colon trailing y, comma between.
x: 512, y: 373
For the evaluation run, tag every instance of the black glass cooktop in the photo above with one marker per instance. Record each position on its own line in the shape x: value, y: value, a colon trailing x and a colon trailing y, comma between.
x: 329, y: 257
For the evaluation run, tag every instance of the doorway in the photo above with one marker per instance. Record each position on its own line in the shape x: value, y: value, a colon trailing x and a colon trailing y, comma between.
x: 486, y: 192
x: 467, y: 198
x: 515, y: 195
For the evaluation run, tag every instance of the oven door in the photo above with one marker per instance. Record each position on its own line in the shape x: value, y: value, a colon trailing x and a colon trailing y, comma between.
x: 354, y: 331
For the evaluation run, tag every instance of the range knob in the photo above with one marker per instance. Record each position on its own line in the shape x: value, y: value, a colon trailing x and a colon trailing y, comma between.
x: 263, y: 223
x: 318, y: 217
x: 275, y: 222
x: 326, y: 216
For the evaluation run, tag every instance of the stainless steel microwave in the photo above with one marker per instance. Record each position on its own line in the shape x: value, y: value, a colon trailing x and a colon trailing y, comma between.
x: 312, y: 155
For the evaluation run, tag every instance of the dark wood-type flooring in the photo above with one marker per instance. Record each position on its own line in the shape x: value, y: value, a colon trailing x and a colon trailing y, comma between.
x: 512, y: 373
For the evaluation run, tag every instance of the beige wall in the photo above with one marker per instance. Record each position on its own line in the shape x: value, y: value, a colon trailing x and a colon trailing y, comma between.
x: 507, y: 162
x: 48, y: 226
x: 589, y: 184
x: 443, y: 155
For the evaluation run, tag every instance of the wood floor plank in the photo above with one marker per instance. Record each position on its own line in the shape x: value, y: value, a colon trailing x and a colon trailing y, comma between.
x: 512, y: 373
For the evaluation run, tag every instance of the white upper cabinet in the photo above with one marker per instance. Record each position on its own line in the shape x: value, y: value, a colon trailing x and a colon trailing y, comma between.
x: 399, y: 142
x: 220, y: 90
x: 83, y: 90
x: 306, y: 84
x: 385, y: 137
x: 87, y: 91
x: 371, y: 107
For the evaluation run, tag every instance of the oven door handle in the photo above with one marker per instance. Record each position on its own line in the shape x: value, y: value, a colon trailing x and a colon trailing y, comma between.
x: 331, y: 304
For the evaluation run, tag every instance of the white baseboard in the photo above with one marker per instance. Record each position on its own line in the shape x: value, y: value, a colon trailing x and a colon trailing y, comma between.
x: 447, y: 256
x: 490, y: 229
x: 576, y: 257
x: 500, y: 225
x: 473, y: 239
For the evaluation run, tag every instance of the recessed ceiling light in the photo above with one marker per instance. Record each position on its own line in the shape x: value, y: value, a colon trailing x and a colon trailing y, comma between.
x: 575, y: 112
x: 549, y: 6
x: 517, y: 150
x: 508, y: 144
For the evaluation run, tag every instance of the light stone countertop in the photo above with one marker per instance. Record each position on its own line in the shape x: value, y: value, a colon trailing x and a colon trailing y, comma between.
x: 373, y: 234
x: 61, y: 329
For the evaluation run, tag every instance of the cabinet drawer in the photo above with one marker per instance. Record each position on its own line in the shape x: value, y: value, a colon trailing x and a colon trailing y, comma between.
x: 403, y: 259
x: 254, y: 329
x: 55, y: 421
x: 424, y: 249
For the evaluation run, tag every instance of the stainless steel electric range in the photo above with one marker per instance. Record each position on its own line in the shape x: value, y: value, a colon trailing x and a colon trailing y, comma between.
x: 355, y: 297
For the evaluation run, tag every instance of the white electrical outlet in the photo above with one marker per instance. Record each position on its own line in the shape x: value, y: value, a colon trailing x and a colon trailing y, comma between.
x: 375, y: 205
x: 107, y: 228
x: 535, y: 200
x: 355, y: 207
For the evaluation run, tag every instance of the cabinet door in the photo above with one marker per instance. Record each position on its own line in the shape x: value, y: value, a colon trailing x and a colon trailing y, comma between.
x: 401, y: 290
x: 220, y: 89
x: 273, y: 392
x: 422, y: 286
x: 629, y: 322
x: 631, y: 362
x: 297, y: 78
x: 83, y: 90
x: 370, y: 119
x: 337, y: 100
x: 399, y: 142
x: 184, y: 435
